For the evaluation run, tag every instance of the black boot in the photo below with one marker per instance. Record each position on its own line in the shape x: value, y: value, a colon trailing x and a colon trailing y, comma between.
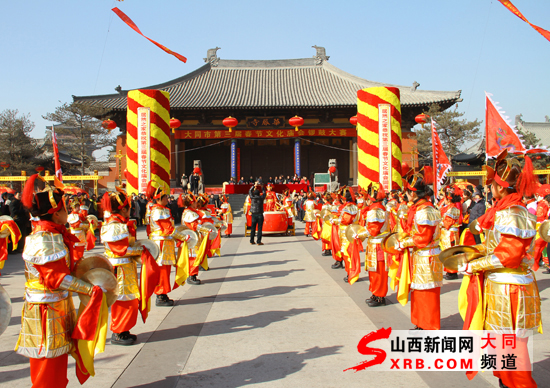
x: 547, y: 271
x: 337, y: 264
x: 368, y: 301
x: 163, y: 300
x: 123, y: 339
x: 451, y: 276
x: 193, y: 280
x: 501, y: 384
x: 346, y: 279
x: 327, y: 253
x: 377, y: 301
x: 417, y: 328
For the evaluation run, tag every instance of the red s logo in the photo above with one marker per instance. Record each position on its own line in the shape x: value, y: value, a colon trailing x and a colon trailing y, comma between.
x: 379, y: 354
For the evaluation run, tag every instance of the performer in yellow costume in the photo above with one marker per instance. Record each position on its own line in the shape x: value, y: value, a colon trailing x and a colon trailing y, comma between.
x: 309, y: 217
x: 227, y: 215
x: 500, y: 292
x: 78, y: 226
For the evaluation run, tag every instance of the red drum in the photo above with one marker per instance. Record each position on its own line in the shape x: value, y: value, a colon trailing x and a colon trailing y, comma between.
x: 274, y: 222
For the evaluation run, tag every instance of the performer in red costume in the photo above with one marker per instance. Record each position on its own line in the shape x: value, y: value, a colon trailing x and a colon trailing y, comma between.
x: 510, y: 301
x: 376, y: 261
x: 309, y: 217
x: 451, y: 215
x: 48, y: 321
x: 119, y: 236
x: 270, y: 198
x: 161, y: 226
x: 339, y: 242
x: 542, y: 215
x: 423, y: 233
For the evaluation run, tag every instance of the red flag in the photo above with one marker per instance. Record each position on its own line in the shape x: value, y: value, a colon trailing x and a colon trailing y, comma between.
x: 508, y: 4
x: 498, y: 133
x: 58, y: 173
x: 441, y: 164
x: 133, y: 26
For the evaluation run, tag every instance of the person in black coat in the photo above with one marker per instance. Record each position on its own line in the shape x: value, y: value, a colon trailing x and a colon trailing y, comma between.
x: 476, y: 210
x: 257, y: 211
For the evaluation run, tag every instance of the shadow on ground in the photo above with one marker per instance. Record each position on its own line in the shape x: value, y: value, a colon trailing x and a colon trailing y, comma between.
x: 225, y: 326
x: 263, y: 369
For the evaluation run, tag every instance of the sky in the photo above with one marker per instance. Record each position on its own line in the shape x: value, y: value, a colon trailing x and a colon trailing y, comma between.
x: 55, y: 49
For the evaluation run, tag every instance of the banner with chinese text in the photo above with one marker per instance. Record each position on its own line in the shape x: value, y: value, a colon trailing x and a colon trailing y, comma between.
x: 264, y: 133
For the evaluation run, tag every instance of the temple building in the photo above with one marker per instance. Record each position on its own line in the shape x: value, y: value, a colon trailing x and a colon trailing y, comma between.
x: 263, y: 95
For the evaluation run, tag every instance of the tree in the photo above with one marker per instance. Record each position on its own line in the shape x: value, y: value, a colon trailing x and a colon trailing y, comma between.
x: 16, y: 146
x: 80, y: 132
x: 454, y: 132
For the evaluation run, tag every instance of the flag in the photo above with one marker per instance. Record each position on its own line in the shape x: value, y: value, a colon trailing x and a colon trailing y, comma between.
x: 58, y: 173
x: 133, y: 26
x: 440, y: 161
x: 499, y: 135
x: 508, y: 4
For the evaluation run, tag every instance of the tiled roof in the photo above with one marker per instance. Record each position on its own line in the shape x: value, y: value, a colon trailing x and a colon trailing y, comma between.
x: 540, y: 130
x: 271, y: 83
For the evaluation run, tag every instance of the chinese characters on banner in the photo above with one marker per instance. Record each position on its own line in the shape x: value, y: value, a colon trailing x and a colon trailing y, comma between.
x: 384, y: 138
x: 144, y: 148
x: 297, y: 166
x: 264, y: 133
x: 257, y: 122
x: 234, y: 159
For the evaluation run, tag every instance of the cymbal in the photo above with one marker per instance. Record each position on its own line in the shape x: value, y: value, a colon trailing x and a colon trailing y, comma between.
x: 472, y: 227
x: 354, y: 229
x: 194, y: 237
x: 91, y: 261
x: 389, y: 243
x: 323, y: 213
x: 93, y: 220
x: 458, y: 255
x: 5, y: 310
x: 543, y: 230
x: 104, y: 278
x: 207, y: 226
x: 153, y: 248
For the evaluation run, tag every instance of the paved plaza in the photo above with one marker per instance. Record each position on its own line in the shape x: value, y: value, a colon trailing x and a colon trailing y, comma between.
x: 273, y: 316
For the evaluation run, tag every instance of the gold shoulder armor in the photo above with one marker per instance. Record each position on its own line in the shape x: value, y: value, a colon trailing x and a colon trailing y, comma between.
x: 44, y: 247
x: 114, y: 231
x: 516, y: 221
x: 376, y: 215
x: 428, y: 216
x: 159, y: 213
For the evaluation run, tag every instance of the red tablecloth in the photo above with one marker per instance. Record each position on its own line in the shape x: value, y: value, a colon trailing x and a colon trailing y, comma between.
x: 243, y: 189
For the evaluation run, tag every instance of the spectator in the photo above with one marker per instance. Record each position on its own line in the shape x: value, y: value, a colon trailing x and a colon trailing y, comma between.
x: 142, y: 207
x: 257, y: 211
x: 20, y: 216
x: 195, y: 182
x: 173, y: 206
x: 270, y: 180
x: 232, y: 181
x: 214, y: 200
x: 260, y: 180
x: 93, y: 206
x: 279, y: 180
x: 184, y: 182
x: 288, y: 180
x: 477, y: 209
x: 136, y: 210
x: 251, y: 180
x: 241, y: 181
x: 5, y: 204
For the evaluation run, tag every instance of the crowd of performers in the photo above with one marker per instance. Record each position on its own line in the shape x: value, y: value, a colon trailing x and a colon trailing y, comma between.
x: 408, y: 237
x: 124, y: 278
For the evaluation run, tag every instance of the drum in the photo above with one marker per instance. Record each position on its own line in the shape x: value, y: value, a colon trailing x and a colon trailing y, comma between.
x: 275, y: 222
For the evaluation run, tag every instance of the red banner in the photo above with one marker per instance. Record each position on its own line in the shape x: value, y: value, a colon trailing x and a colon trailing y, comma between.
x: 133, y: 26
x: 264, y: 134
x: 441, y: 164
x: 57, y: 164
x: 508, y: 4
x: 498, y: 133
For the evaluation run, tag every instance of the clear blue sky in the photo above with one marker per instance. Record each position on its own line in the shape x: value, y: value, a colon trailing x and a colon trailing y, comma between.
x: 55, y: 49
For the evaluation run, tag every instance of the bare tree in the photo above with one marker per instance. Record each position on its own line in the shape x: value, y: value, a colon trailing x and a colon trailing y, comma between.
x: 454, y: 132
x: 16, y: 146
x: 80, y: 131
